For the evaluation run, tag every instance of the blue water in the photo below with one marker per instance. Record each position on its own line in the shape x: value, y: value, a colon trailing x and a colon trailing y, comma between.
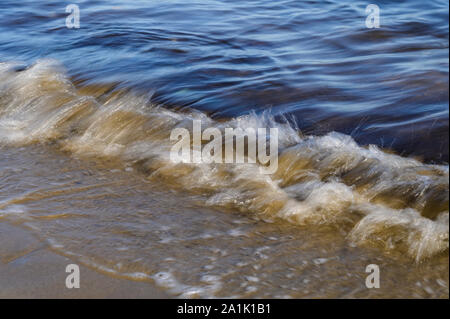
x: 315, y: 61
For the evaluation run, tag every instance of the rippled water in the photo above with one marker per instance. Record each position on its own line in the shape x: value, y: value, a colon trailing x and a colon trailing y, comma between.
x: 315, y: 60
x: 86, y: 115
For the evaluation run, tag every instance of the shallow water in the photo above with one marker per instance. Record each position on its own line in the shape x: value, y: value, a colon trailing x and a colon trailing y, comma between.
x: 115, y: 221
x: 86, y: 115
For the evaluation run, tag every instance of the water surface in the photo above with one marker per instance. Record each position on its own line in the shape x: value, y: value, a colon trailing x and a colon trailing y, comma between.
x: 86, y: 115
x: 314, y: 60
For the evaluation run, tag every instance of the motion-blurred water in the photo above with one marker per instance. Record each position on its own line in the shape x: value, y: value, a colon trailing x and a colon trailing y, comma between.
x: 315, y: 60
x: 86, y: 115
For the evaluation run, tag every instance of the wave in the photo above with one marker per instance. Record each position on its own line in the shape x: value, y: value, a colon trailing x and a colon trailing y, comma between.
x: 378, y: 198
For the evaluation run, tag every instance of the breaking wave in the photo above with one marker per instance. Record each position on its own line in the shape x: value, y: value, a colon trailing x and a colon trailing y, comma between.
x: 378, y: 198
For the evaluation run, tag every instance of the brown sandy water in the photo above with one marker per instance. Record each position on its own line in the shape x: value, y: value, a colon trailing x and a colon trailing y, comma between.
x: 86, y: 170
x: 112, y: 220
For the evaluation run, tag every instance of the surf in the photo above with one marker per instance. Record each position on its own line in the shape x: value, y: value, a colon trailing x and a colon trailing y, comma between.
x: 380, y: 199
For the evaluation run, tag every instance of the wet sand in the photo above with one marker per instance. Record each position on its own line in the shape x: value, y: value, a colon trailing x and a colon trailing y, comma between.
x: 28, y: 269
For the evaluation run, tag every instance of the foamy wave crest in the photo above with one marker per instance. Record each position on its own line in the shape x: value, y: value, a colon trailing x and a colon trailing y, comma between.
x: 385, y: 200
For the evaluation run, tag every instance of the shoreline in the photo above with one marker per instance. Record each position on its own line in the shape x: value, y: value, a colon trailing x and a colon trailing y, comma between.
x: 52, y: 201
